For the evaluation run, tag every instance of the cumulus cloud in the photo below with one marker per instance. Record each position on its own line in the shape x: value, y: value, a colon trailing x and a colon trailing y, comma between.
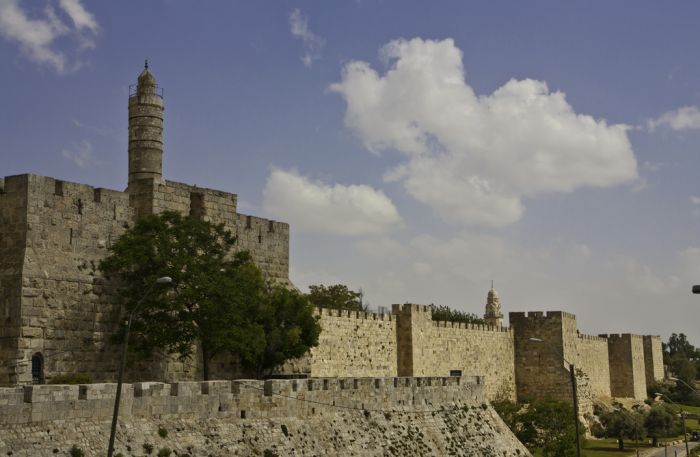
x: 473, y: 158
x: 330, y: 208
x: 684, y: 118
x: 37, y: 36
x: 313, y: 44
x: 80, y: 154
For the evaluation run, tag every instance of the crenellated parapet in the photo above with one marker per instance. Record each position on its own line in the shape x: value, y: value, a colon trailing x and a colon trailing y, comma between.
x: 237, y: 400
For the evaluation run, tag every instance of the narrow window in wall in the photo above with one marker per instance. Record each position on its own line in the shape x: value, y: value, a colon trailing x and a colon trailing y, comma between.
x: 271, y: 226
x: 37, y: 368
x: 114, y: 217
x: 58, y: 188
x: 80, y: 206
x: 260, y: 236
x: 70, y: 239
x: 247, y: 222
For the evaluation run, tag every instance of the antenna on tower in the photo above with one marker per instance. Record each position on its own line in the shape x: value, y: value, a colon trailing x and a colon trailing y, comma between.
x: 146, y: 64
x: 492, y: 283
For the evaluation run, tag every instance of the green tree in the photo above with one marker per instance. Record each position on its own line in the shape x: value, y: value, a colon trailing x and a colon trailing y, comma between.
x: 290, y: 328
x: 445, y: 313
x: 337, y: 296
x: 623, y: 424
x: 217, y: 299
x: 659, y: 422
x: 548, y: 425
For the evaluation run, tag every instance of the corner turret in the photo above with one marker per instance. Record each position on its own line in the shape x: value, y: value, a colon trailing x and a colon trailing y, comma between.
x: 145, y: 129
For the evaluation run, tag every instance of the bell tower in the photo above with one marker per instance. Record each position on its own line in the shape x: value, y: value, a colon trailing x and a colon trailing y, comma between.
x: 145, y: 129
x: 493, y: 315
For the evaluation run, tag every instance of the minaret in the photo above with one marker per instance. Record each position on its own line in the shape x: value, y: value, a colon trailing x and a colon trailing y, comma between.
x: 145, y: 129
x: 493, y: 315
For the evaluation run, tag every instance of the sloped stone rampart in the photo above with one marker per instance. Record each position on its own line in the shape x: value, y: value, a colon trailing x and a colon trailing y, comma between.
x: 340, y: 417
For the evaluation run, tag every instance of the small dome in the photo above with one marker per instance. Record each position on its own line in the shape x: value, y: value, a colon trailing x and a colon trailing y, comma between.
x: 146, y: 78
x: 492, y: 296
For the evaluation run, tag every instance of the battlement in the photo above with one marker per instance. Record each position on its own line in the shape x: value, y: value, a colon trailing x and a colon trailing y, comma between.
x: 470, y: 326
x: 410, y: 308
x: 601, y: 339
x: 612, y: 337
x: 350, y: 314
x: 533, y: 315
x: 241, y: 399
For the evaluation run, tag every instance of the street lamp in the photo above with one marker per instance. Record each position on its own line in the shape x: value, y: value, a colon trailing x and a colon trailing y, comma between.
x: 573, y: 391
x: 685, y: 435
x: 120, y: 376
x: 687, y: 385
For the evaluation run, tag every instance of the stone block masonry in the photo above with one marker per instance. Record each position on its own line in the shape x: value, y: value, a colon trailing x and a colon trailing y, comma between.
x: 627, y: 370
x: 653, y: 359
x: 428, y: 347
x: 343, y: 417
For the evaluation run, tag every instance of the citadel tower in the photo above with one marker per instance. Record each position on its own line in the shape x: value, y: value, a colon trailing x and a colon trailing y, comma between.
x: 145, y: 129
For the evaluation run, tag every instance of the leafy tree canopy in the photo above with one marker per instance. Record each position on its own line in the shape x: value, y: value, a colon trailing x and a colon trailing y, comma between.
x: 660, y: 422
x: 623, y: 424
x: 216, y: 299
x: 337, y: 296
x: 545, y: 425
x: 445, y: 313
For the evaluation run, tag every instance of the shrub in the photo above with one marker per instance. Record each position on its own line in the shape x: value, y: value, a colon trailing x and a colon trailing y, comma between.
x: 147, y: 448
x: 270, y: 453
x: 165, y: 452
x: 162, y: 432
x: 75, y: 451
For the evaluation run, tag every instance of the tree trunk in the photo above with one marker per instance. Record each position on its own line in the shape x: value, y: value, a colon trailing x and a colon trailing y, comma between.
x: 205, y: 362
x: 621, y: 444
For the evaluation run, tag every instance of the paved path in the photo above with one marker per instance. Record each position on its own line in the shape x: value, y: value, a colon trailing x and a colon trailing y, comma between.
x: 680, y: 448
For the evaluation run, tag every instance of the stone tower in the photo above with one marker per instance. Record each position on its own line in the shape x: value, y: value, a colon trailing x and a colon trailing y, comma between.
x: 493, y: 315
x: 145, y: 129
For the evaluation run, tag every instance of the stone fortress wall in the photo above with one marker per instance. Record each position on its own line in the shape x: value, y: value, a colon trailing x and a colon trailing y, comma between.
x: 428, y: 347
x: 54, y: 302
x: 628, y: 366
x: 414, y: 416
x: 606, y: 366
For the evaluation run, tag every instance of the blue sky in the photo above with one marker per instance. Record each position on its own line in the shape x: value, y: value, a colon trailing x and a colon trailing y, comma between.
x: 418, y: 149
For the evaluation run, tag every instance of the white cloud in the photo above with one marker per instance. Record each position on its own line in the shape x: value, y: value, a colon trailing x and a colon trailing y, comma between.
x: 382, y: 247
x: 80, y: 154
x: 643, y: 278
x: 313, y: 44
x: 37, y: 37
x: 684, y: 118
x: 695, y: 200
x: 473, y: 158
x: 319, y: 207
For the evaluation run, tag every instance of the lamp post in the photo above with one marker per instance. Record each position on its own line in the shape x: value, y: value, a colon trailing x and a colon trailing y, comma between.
x: 685, y: 435
x: 572, y: 373
x: 120, y: 376
x: 686, y: 384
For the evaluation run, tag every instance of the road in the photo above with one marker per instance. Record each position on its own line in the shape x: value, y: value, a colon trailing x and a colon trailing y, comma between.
x: 680, y: 448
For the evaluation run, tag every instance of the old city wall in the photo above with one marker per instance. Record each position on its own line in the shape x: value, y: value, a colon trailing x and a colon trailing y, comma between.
x: 627, y: 371
x: 266, y: 240
x: 68, y: 314
x: 592, y: 359
x: 409, y: 416
x: 354, y: 343
x: 13, y: 232
x: 436, y: 348
x: 653, y: 359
